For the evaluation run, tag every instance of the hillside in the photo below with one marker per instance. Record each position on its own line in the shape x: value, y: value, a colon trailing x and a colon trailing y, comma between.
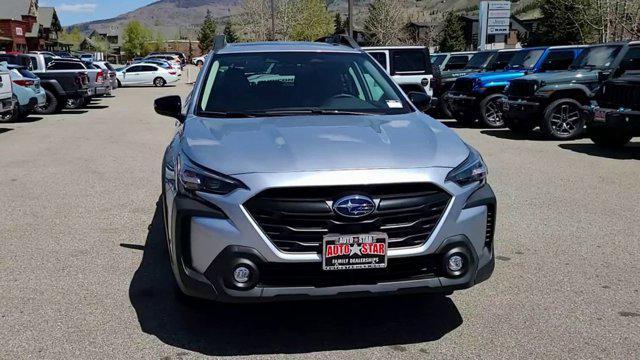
x: 174, y: 18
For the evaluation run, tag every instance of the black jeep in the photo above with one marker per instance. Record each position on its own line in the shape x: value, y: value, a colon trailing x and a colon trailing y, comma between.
x: 554, y: 101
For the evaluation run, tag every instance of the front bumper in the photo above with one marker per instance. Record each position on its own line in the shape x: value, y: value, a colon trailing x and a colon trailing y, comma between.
x: 521, y: 109
x: 618, y: 120
x: 208, y: 237
x: 461, y: 103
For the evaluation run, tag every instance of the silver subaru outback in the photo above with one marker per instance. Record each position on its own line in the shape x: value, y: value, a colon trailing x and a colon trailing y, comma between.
x: 300, y: 170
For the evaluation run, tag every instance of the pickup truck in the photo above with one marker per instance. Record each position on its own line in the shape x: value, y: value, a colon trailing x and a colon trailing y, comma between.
x: 7, y: 100
x: 554, y: 100
x: 483, y: 61
x: 613, y: 117
x: 480, y: 95
x: 47, y: 64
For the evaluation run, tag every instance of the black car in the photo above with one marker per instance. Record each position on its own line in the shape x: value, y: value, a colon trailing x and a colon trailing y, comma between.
x: 554, y: 100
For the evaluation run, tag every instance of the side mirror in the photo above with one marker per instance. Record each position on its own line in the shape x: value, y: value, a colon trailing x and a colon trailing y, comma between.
x: 421, y: 100
x: 170, y: 106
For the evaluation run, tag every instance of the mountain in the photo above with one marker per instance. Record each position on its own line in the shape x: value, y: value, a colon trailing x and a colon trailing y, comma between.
x: 182, y: 18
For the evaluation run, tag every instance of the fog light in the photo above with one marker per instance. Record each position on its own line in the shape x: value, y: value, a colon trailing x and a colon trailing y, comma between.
x: 456, y: 262
x: 241, y: 274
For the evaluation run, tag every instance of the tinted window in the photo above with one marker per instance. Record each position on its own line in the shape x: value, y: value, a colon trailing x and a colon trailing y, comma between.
x: 597, y: 57
x: 525, y: 59
x: 290, y: 82
x: 457, y: 62
x: 631, y: 60
x: 502, y: 60
x: 413, y: 61
x: 380, y: 57
x: 65, y: 65
x: 438, y: 59
x: 480, y: 60
x: 134, y: 69
x: 147, y: 68
x: 558, y: 60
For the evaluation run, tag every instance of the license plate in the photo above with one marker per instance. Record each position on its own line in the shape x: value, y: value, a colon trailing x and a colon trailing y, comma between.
x: 600, y: 115
x: 351, y: 252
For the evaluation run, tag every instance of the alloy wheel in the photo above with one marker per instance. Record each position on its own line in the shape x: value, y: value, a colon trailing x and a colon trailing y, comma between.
x: 565, y: 120
x: 494, y: 113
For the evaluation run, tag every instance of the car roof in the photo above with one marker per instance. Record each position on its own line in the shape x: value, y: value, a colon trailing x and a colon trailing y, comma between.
x: 277, y: 46
x: 394, y: 48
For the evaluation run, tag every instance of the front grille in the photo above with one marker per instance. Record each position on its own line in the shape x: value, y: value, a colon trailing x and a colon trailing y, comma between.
x: 311, y: 274
x: 522, y: 88
x: 616, y: 95
x: 463, y: 85
x: 296, y: 219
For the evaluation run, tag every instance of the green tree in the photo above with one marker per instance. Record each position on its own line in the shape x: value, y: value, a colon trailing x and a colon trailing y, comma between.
x: 452, y: 34
x: 559, y: 24
x: 385, y: 24
x: 135, y: 38
x: 73, y: 37
x: 230, y: 32
x: 338, y: 24
x: 207, y: 33
x: 312, y: 20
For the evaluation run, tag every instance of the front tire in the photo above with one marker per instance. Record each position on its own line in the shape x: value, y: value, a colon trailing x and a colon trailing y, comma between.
x: 563, y: 120
x: 51, y: 105
x: 14, y: 114
x: 159, y: 82
x: 491, y: 111
x: 199, y: 63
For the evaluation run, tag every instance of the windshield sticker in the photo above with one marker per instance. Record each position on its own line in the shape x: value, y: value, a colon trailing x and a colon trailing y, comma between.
x: 394, y: 104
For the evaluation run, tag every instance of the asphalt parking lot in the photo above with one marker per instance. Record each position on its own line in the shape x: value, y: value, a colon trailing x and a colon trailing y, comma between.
x: 84, y: 271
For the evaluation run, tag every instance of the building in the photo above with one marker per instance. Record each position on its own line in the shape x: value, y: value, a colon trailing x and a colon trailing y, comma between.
x: 26, y: 27
x: 519, y: 31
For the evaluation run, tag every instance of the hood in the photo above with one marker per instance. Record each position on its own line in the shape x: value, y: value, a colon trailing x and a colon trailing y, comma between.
x: 454, y: 74
x: 497, y: 76
x: 310, y: 143
x: 564, y: 77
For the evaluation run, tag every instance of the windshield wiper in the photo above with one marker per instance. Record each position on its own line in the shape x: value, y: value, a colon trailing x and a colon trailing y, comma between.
x: 314, y: 112
x: 229, y: 114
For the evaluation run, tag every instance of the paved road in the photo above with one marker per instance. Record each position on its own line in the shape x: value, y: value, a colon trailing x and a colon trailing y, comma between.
x: 84, y: 272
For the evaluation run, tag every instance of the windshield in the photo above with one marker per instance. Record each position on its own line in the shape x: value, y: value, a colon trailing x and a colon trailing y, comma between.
x: 479, y: 60
x: 437, y: 59
x: 525, y: 59
x: 298, y: 82
x: 597, y: 57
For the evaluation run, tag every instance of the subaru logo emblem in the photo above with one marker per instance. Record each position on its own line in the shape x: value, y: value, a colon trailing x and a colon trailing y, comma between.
x: 354, y: 206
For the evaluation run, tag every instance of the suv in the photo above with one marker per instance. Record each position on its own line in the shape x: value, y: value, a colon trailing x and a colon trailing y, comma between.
x: 7, y: 100
x: 451, y: 61
x: 483, y: 61
x: 481, y: 94
x: 409, y: 66
x: 614, y: 116
x: 302, y: 170
x: 554, y: 100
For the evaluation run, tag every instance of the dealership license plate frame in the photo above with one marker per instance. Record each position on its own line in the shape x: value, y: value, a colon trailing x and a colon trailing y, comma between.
x: 600, y: 115
x: 378, y: 261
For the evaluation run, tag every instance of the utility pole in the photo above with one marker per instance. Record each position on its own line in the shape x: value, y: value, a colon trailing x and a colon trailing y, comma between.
x: 350, y: 17
x: 273, y: 20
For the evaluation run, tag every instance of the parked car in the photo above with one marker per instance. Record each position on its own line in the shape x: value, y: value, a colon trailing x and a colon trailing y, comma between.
x: 146, y: 74
x: 86, y: 57
x: 199, y: 60
x: 318, y: 177
x: 480, y: 95
x: 483, y: 61
x: 180, y: 55
x: 174, y: 60
x: 97, y: 85
x: 7, y: 100
x: 554, y: 100
x: 60, y: 86
x: 171, y: 64
x: 108, y: 69
x: 409, y: 66
x: 16, y: 59
x: 613, y: 118
x: 63, y: 54
x: 27, y: 92
x: 452, y: 61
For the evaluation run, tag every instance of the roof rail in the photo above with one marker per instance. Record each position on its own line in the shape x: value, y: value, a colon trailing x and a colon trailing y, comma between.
x: 219, y: 42
x: 340, y: 39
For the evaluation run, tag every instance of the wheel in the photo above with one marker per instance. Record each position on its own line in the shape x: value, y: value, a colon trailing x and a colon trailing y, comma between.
x: 465, y: 118
x: 444, y: 107
x: 518, y: 127
x: 14, y: 114
x: 74, y: 103
x: 199, y: 63
x: 159, y: 82
x: 563, y: 120
x: 51, y: 105
x: 491, y: 111
x: 608, y: 138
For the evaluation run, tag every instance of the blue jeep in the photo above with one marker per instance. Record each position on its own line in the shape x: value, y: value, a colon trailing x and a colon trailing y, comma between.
x: 480, y: 95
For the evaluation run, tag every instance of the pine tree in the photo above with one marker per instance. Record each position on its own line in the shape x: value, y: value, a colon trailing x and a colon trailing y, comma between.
x: 207, y: 33
x: 338, y: 24
x: 230, y: 33
x: 452, y: 34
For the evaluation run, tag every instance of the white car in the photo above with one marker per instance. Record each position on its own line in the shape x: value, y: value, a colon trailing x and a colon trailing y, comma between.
x: 7, y: 101
x: 146, y: 74
x: 199, y: 60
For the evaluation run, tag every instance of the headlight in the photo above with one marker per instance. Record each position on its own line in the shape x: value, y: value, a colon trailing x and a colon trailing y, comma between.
x: 473, y: 169
x: 192, y: 178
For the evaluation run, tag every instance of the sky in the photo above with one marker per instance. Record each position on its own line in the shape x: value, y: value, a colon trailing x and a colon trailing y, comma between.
x: 75, y: 11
